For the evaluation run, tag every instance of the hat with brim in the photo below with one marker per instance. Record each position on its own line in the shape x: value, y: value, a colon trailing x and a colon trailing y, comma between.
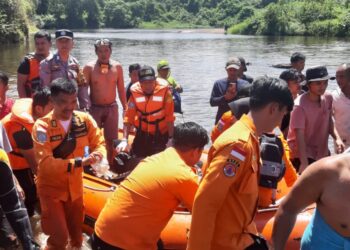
x: 317, y: 73
x: 233, y: 63
x: 163, y: 64
x: 59, y: 34
x: 147, y: 73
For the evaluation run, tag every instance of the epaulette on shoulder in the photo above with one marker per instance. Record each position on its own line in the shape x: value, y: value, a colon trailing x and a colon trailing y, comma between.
x: 30, y: 56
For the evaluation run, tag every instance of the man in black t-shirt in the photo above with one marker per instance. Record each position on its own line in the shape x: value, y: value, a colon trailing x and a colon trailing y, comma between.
x: 28, y: 79
x: 134, y: 77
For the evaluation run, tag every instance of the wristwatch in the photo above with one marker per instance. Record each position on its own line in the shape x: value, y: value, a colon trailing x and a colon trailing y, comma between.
x: 78, y: 162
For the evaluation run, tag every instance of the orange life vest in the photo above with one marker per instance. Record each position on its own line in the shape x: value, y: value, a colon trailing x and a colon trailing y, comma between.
x: 20, y: 118
x: 150, y: 109
x: 33, y: 78
x: 226, y: 120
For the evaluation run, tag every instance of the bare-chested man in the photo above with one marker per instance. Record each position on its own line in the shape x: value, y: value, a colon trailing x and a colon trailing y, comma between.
x: 330, y: 225
x: 104, y: 77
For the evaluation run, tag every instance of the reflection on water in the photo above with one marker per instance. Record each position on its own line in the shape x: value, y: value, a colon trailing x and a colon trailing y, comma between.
x: 197, y: 59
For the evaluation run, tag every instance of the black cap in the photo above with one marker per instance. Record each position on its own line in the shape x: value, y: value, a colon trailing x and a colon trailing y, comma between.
x: 290, y: 75
x: 317, y: 73
x: 134, y: 66
x: 146, y: 73
x: 240, y: 107
x: 64, y: 34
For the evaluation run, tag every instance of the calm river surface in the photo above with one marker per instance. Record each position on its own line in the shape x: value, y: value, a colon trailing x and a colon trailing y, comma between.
x: 197, y: 59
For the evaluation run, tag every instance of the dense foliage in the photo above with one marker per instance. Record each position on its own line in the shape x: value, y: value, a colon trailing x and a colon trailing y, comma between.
x: 296, y: 17
x: 267, y: 17
x: 14, y: 25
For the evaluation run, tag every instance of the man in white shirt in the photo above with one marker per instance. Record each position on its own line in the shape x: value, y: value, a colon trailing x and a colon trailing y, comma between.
x: 341, y: 103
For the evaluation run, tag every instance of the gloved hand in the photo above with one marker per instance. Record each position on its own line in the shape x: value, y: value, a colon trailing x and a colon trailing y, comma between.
x: 123, y: 146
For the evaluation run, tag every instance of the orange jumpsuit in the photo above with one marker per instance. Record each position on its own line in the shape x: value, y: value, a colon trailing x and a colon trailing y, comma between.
x: 289, y: 178
x: 60, y: 181
x: 227, y: 197
x: 226, y: 120
x: 140, y: 208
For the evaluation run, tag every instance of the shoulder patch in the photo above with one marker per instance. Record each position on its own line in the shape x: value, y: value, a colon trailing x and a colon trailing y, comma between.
x: 230, y: 169
x: 220, y: 125
x: 131, y: 105
x: 41, y: 136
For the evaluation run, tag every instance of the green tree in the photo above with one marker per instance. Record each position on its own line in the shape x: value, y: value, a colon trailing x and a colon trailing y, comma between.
x: 94, y: 15
x: 118, y: 14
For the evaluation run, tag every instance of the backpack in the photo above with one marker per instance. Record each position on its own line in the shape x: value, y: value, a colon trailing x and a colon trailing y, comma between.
x: 177, y: 101
x: 273, y: 167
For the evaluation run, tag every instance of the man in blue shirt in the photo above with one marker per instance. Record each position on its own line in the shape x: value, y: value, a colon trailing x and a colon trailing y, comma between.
x: 225, y: 90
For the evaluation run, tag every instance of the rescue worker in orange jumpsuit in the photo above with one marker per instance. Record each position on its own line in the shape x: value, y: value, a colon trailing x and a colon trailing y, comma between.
x: 59, y: 141
x: 151, y: 111
x: 227, y: 197
x: 28, y: 79
x: 267, y: 194
x: 18, y: 125
x: 144, y: 203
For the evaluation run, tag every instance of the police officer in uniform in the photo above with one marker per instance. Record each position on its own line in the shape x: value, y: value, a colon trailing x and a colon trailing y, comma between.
x: 227, y: 198
x: 63, y: 65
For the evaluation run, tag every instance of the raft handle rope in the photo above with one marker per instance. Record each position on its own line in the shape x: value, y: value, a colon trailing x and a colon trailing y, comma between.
x: 110, y: 189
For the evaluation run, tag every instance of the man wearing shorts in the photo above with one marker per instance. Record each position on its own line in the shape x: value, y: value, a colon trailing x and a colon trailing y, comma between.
x: 326, y: 183
x: 104, y: 77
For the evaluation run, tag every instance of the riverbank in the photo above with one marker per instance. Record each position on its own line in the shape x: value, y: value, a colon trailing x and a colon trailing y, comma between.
x: 296, y: 18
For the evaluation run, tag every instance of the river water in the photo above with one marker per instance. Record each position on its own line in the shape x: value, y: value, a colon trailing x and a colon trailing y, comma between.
x: 197, y: 58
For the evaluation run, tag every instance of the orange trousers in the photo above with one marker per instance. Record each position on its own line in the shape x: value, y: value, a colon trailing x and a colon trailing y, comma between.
x: 62, y: 221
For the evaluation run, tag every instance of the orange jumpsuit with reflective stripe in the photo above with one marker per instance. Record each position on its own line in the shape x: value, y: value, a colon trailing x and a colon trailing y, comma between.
x: 226, y: 120
x: 59, y: 181
x: 227, y: 197
x: 140, y: 208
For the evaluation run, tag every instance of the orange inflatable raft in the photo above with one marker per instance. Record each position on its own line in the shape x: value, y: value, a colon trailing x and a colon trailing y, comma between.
x: 174, y: 236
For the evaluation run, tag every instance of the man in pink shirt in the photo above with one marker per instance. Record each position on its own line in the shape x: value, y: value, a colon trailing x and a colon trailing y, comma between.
x: 6, y: 102
x: 341, y: 103
x: 311, y: 122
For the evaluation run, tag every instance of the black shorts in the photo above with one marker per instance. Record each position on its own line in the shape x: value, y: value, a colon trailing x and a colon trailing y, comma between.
x: 25, y: 178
